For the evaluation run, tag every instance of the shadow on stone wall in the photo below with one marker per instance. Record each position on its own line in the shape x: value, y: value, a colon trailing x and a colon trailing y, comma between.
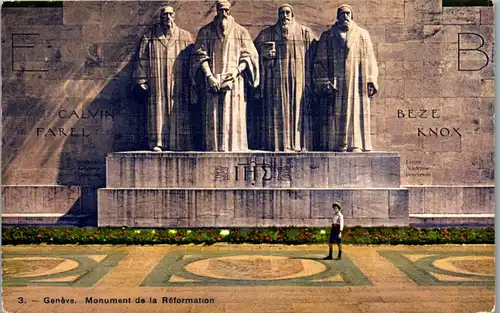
x: 83, y: 158
x: 18, y: 114
x: 124, y: 131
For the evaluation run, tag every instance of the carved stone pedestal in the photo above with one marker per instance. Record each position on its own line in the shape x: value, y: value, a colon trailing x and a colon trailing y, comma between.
x: 146, y: 189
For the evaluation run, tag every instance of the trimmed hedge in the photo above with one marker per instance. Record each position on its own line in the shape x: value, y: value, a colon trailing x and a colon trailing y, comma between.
x: 283, y: 235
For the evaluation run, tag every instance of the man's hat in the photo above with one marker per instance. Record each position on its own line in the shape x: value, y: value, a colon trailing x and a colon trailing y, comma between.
x: 286, y: 5
x: 342, y: 6
x: 167, y: 9
x: 336, y: 204
x: 224, y: 4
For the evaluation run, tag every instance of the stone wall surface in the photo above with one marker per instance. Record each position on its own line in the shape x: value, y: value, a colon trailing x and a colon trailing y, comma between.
x: 48, y: 205
x: 68, y: 98
x: 143, y: 207
x: 452, y: 200
x: 187, y: 189
x: 253, y: 170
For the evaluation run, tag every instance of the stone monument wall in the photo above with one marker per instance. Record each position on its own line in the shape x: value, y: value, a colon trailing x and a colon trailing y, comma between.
x: 67, y: 97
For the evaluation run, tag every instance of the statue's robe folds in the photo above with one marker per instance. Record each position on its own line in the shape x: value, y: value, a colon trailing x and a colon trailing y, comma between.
x: 224, y: 114
x: 164, y: 64
x: 351, y: 63
x: 285, y: 88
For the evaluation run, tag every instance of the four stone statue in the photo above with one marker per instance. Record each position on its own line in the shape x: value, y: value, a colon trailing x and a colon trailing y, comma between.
x: 304, y: 88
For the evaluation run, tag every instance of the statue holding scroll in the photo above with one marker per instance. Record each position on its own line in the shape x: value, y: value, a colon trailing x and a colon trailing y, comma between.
x: 285, y: 76
x: 226, y: 60
x: 345, y: 75
x: 162, y: 69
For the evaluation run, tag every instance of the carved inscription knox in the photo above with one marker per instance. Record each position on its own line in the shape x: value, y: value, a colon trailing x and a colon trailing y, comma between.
x: 429, y: 131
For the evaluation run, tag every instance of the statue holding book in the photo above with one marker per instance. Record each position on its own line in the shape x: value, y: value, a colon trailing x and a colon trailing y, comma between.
x: 345, y: 75
x: 226, y: 60
x: 285, y: 51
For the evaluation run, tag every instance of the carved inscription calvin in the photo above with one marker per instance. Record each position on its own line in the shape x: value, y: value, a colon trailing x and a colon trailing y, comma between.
x: 74, y: 131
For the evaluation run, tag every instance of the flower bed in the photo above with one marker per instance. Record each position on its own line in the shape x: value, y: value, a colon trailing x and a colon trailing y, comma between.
x: 284, y: 235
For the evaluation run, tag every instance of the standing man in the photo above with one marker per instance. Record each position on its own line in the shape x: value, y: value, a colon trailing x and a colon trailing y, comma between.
x: 226, y: 59
x: 162, y: 69
x: 345, y: 74
x: 336, y: 232
x: 285, y: 81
